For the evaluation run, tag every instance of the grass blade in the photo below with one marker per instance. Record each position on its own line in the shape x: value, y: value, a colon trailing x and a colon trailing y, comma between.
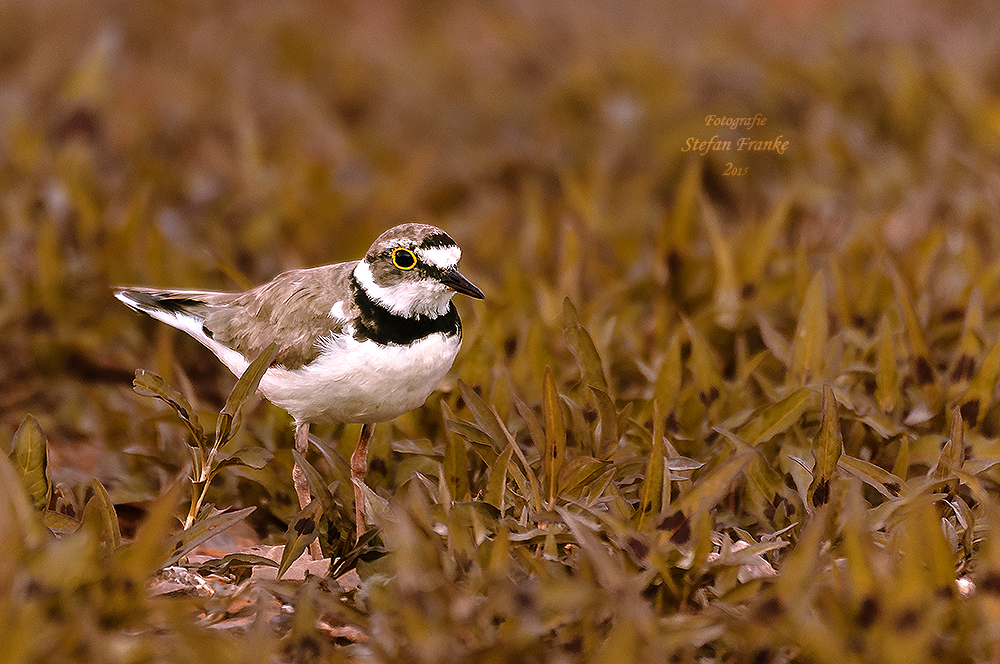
x: 881, y: 480
x: 651, y: 498
x: 184, y: 541
x: 109, y: 517
x: 581, y: 344
x: 245, y: 387
x: 303, y: 529
x: 668, y: 382
x: 456, y: 467
x: 555, y: 435
x: 921, y: 365
x: 248, y: 457
x: 827, y: 447
x: 811, y: 334
x: 711, y: 487
x: 496, y: 487
x: 953, y: 452
x: 978, y: 398
x: 148, y: 384
x: 610, y: 435
x: 886, y: 375
x: 483, y: 416
x: 20, y: 524
x: 481, y: 442
x: 776, y: 418
x: 704, y: 366
x: 726, y: 295
x: 318, y: 487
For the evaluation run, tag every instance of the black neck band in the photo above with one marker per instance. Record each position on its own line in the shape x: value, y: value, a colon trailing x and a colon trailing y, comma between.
x: 384, y: 327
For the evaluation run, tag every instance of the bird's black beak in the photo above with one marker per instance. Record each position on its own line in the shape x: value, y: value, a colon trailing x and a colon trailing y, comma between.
x: 454, y: 280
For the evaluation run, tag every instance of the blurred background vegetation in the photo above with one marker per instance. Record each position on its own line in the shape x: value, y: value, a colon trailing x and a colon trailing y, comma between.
x: 211, y: 145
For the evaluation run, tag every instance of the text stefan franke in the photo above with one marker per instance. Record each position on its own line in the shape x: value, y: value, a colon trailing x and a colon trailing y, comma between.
x: 742, y: 144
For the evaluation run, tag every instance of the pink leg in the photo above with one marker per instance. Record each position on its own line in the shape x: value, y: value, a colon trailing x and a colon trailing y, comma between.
x: 300, y: 481
x: 359, y: 466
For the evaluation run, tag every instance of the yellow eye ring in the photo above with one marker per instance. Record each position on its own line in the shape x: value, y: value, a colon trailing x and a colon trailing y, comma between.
x: 404, y: 259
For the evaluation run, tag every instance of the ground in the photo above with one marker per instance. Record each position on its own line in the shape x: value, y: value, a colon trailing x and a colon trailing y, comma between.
x: 721, y: 404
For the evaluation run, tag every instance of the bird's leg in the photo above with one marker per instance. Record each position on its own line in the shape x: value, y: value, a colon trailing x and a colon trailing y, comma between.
x: 359, y: 466
x: 300, y: 481
x: 299, y: 475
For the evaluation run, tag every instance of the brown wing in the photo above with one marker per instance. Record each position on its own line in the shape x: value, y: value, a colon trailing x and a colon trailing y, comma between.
x: 293, y: 310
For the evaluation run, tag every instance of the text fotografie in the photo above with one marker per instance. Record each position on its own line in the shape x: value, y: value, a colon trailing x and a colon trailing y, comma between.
x: 714, y: 144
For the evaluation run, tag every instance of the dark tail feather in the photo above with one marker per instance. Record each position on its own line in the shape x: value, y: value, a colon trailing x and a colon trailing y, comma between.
x: 148, y: 300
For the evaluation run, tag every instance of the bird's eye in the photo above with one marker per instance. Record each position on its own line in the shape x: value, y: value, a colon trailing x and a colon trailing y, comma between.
x: 404, y: 259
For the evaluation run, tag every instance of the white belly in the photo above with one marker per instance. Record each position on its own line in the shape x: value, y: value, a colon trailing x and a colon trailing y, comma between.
x: 355, y: 381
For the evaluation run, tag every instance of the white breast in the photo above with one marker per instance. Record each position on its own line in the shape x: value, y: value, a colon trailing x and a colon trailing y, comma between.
x: 354, y: 381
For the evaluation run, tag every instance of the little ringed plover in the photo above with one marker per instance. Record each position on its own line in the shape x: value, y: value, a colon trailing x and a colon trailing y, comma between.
x: 362, y: 341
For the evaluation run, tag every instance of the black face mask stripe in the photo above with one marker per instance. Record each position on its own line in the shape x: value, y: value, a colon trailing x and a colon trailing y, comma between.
x: 384, y: 327
x: 437, y: 240
x: 422, y: 268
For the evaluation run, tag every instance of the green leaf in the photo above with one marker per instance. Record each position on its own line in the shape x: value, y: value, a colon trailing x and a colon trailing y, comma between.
x: 555, y: 435
x: 530, y: 420
x: 857, y: 542
x: 59, y: 523
x: 20, y: 523
x: 151, y: 547
x: 30, y: 459
x: 496, y: 487
x: 651, y: 497
x: 886, y: 375
x: 811, y: 334
x: 776, y: 418
x: 797, y: 582
x: 581, y: 344
x: 353, y: 556
x: 375, y: 505
x: 148, y: 384
x: 201, y: 531
x: 878, y: 478
x: 483, y: 416
x: 245, y: 387
x: 970, y: 345
x: 317, y: 485
x: 610, y: 436
x: 703, y: 365
x: 953, y: 452
x: 249, y: 457
x: 827, y: 446
x: 456, y: 467
x: 109, y: 517
x: 669, y: 380
x: 756, y: 256
x: 680, y: 229
x: 902, y: 463
x: 978, y: 398
x: 934, y: 563
x: 829, y: 442
x: 775, y: 343
x: 921, y: 365
x: 726, y: 292
x: 303, y: 529
x: 711, y: 487
x: 527, y: 480
x: 580, y: 472
x: 481, y: 442
x: 234, y: 561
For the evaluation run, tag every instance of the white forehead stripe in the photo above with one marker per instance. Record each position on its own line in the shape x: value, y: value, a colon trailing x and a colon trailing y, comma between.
x: 441, y: 257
